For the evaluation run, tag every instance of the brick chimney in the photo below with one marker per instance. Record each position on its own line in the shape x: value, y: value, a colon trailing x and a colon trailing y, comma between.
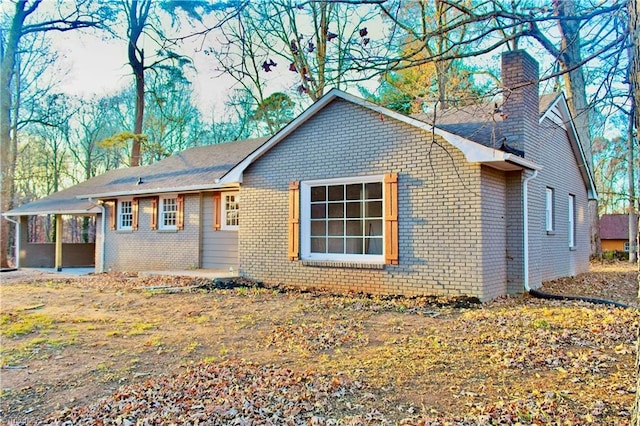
x: 520, y: 76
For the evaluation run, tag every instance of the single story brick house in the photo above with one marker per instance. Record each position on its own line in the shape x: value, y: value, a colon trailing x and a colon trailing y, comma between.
x: 614, y: 232
x: 350, y: 196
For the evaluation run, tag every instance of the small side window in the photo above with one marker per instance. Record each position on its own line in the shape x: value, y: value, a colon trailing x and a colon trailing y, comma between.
x: 125, y: 215
x: 230, y: 211
x: 571, y: 212
x: 549, y: 210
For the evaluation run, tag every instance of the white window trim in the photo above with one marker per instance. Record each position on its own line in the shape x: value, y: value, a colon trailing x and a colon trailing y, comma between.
x: 223, y: 212
x: 119, y: 226
x: 626, y: 247
x: 161, y: 225
x: 548, y: 208
x: 305, y: 222
x: 571, y: 213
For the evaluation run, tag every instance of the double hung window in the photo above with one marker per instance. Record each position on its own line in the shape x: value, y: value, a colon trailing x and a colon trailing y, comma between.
x: 125, y: 215
x: 168, y: 213
x: 230, y: 211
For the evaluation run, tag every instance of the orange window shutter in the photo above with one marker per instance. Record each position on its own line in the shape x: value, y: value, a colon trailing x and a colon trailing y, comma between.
x: 154, y: 213
x: 180, y: 219
x: 113, y: 212
x: 294, y: 220
x: 391, y: 218
x: 217, y: 210
x: 134, y: 213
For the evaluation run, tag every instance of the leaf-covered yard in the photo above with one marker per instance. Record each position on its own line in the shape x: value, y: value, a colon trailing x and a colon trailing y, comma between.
x: 108, y: 350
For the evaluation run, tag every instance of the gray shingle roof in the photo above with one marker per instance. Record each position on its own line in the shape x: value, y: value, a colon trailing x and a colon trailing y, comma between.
x: 481, y: 123
x: 193, y: 169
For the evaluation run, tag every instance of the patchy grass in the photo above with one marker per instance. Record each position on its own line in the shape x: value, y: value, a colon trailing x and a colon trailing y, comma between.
x: 20, y: 323
x: 261, y: 356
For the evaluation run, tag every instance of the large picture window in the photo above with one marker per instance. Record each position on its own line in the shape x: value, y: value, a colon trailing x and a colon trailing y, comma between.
x: 343, y: 219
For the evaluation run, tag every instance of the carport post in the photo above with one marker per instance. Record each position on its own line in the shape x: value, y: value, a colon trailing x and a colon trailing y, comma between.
x: 58, y: 265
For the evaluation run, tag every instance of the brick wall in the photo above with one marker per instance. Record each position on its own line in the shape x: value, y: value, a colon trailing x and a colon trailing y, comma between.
x: 147, y: 249
x: 520, y: 77
x: 514, y: 231
x: 440, y: 210
x: 550, y: 255
x: 547, y: 145
x: 494, y: 233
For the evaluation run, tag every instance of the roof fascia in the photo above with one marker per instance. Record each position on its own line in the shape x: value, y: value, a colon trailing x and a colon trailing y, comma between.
x: 151, y: 192
x: 91, y: 211
x: 548, y: 112
x: 563, y: 108
x: 473, y: 151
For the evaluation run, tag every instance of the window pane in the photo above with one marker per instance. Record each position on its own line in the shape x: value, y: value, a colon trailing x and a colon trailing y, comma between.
x: 126, y: 214
x: 373, y: 228
x: 336, y: 210
x: 354, y: 209
x: 373, y: 246
x: 169, y: 209
x: 373, y: 191
x: 336, y: 193
x: 319, y: 193
x: 354, y: 191
x: 354, y: 246
x: 335, y: 245
x: 231, y: 206
x: 318, y: 245
x: 336, y: 227
x: 373, y: 209
x: 318, y: 227
x: 318, y: 211
x: 354, y: 227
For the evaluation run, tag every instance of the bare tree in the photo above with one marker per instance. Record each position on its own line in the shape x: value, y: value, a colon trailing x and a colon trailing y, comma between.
x: 22, y: 22
x: 634, y: 74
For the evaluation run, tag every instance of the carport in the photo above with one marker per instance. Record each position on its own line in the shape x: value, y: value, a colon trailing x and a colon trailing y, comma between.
x: 56, y: 254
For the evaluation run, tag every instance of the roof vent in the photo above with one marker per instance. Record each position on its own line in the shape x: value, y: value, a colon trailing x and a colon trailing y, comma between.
x: 139, y: 182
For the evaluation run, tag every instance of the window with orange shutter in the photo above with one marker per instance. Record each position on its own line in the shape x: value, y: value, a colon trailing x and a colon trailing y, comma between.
x: 349, y: 219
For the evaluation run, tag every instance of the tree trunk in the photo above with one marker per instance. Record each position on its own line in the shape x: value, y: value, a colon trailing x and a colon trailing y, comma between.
x: 633, y: 215
x: 577, y: 99
x: 7, y: 67
x: 634, y: 74
x: 138, y: 13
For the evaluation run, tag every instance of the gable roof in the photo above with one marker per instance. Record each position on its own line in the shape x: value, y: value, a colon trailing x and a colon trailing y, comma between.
x: 483, y: 123
x: 472, y: 150
x: 194, y: 169
x: 614, y: 227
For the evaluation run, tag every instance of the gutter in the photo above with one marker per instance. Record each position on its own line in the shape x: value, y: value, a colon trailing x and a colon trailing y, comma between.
x: 536, y: 293
x: 17, y: 237
x: 103, y: 220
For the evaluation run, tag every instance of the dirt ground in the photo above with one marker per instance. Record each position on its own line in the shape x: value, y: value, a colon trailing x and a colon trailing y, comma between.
x: 124, y: 349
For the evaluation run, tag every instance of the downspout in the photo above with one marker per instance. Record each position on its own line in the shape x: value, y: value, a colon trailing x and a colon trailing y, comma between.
x: 525, y: 218
x: 17, y: 248
x: 103, y: 220
x: 537, y: 293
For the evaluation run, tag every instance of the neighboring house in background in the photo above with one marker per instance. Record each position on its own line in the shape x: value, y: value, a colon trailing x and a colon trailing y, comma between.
x: 614, y: 232
x: 351, y: 196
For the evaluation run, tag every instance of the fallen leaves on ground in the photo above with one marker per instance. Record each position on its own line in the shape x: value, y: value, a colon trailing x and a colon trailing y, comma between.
x: 316, y: 358
x: 231, y: 392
